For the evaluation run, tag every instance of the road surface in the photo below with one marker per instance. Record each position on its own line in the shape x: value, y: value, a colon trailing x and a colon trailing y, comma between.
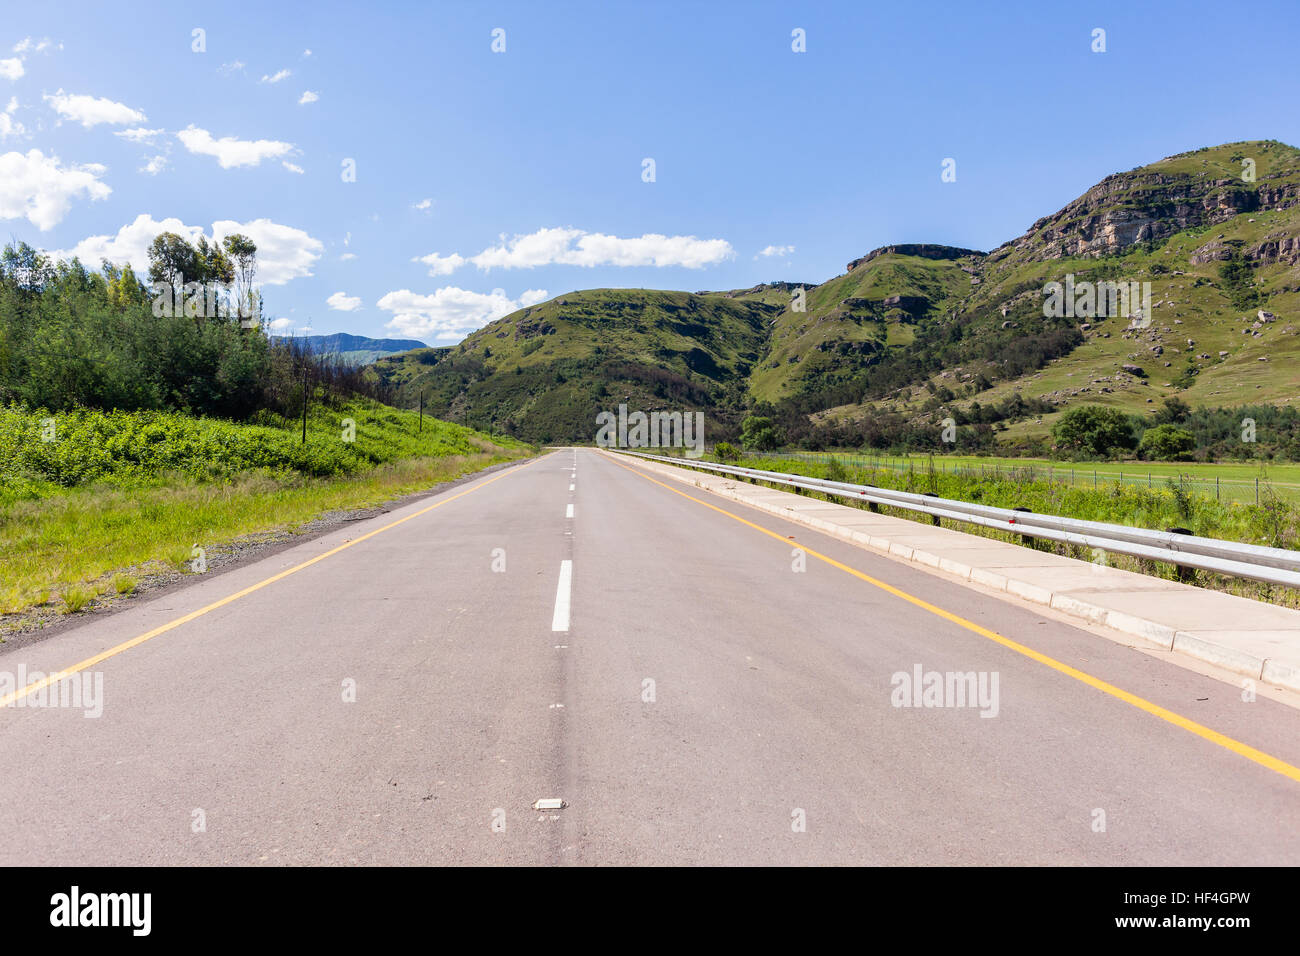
x: 574, y: 628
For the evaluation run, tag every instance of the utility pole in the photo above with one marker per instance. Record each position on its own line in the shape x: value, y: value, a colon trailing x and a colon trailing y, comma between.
x: 304, y: 404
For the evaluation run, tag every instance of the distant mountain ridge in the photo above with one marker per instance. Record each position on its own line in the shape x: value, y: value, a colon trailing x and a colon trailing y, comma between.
x: 923, y: 331
x: 355, y: 349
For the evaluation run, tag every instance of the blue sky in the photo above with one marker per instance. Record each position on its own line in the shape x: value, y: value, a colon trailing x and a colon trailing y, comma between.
x: 518, y: 175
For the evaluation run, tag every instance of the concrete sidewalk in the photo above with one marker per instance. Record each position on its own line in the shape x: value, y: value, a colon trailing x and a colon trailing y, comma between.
x: 1244, y: 636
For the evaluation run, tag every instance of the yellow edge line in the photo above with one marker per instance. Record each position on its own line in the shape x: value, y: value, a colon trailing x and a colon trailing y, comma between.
x: 1236, y: 746
x: 8, y: 699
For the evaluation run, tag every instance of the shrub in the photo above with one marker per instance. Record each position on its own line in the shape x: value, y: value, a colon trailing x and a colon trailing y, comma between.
x: 1167, y: 443
x: 1093, y: 430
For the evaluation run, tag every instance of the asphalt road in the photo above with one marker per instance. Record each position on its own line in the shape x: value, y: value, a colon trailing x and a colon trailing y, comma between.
x: 691, y: 694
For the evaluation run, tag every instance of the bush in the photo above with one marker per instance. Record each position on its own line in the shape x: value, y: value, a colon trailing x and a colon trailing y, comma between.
x: 726, y: 451
x: 1093, y: 430
x: 1167, y: 443
x: 759, y: 433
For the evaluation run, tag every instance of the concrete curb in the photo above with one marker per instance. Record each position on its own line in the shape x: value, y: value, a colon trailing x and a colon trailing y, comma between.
x: 1281, y: 673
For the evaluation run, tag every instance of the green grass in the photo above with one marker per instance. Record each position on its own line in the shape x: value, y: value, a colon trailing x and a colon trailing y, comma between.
x: 1274, y: 522
x: 1236, y: 480
x: 123, y: 496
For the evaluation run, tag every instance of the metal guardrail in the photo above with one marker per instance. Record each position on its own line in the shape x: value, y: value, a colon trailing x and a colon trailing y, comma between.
x: 1234, y: 558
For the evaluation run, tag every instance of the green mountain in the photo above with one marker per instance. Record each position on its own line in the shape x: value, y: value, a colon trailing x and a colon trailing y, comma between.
x: 914, y: 333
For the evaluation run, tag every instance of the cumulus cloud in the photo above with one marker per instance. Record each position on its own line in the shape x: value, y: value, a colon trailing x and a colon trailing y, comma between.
x: 277, y: 77
x: 280, y: 325
x: 450, y: 313
x: 293, y: 167
x: 308, y: 97
x: 41, y: 189
x: 11, y: 69
x: 441, y: 265
x: 423, y: 204
x: 343, y: 302
x: 770, y: 251
x: 92, y: 110
x: 283, y: 252
x: 229, y: 151
x: 155, y: 165
x: 576, y: 247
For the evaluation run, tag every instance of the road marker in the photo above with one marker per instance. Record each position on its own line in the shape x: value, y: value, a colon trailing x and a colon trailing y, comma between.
x: 560, y: 620
x: 568, y: 511
x: 10, y: 698
x: 1213, y: 736
x: 549, y: 803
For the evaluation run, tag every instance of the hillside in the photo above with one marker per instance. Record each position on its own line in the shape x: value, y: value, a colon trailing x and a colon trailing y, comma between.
x: 917, y: 332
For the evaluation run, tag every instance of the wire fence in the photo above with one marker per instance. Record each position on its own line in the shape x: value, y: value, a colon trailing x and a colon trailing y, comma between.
x: 1245, y: 490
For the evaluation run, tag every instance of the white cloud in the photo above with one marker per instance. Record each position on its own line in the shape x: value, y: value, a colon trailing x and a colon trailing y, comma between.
x: 441, y: 265
x: 11, y: 69
x: 306, y: 52
x: 234, y: 66
x: 450, y: 313
x: 308, y: 97
x: 140, y: 135
x: 343, y: 302
x: 770, y: 251
x: 423, y: 204
x: 283, y: 252
x: 578, y: 248
x: 8, y: 125
x: 27, y: 44
x: 93, y: 110
x: 280, y: 325
x: 155, y: 165
x: 276, y: 78
x: 231, y: 152
x: 292, y: 167
x: 39, y: 188
x: 346, y: 256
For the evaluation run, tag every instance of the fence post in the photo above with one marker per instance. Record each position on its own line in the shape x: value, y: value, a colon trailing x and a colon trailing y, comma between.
x: 1256, y: 491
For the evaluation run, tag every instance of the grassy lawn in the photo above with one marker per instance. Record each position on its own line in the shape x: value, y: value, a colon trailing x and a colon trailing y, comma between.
x: 66, y: 542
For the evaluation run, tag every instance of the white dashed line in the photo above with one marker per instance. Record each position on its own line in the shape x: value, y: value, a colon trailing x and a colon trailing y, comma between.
x: 568, y: 511
x: 560, y: 621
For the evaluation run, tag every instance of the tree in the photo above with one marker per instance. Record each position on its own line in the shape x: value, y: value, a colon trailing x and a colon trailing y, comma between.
x: 1093, y: 430
x: 242, y: 253
x: 1167, y: 443
x: 1175, y: 411
x: 172, y: 260
x: 759, y: 433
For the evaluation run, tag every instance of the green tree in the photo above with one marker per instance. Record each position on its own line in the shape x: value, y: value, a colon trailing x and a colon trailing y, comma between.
x: 1093, y: 430
x: 1167, y: 443
x: 759, y: 433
